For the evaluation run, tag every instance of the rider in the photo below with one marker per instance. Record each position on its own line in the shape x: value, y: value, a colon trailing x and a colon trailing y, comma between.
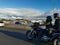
x: 57, y: 22
x: 49, y: 24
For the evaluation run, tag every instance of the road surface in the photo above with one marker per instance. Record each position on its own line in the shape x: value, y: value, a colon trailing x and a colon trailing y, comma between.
x: 16, y: 38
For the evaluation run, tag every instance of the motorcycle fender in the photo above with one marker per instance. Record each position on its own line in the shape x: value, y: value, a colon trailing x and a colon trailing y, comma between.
x: 55, y: 36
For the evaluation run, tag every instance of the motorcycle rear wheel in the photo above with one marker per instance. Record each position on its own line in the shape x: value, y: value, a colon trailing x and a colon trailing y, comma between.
x: 56, y: 42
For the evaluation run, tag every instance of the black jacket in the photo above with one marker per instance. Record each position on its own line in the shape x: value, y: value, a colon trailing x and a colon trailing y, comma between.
x: 48, y: 24
x: 57, y: 24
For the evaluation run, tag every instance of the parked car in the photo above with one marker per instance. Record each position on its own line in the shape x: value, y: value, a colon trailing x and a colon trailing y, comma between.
x: 2, y: 24
x: 19, y: 23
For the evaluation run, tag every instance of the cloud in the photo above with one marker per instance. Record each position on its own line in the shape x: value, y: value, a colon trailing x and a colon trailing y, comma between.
x: 28, y: 13
x: 20, y: 12
x: 51, y: 12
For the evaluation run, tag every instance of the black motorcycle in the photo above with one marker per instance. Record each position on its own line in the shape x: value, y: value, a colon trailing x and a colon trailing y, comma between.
x: 43, y: 35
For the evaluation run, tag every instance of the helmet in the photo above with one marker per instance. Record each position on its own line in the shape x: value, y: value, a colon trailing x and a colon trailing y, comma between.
x: 49, y: 18
x: 55, y: 15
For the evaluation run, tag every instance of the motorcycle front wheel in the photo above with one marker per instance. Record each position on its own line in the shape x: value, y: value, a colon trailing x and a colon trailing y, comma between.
x: 29, y: 35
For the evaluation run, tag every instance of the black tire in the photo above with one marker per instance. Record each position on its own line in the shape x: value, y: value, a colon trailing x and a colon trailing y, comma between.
x: 56, y: 41
x: 29, y: 35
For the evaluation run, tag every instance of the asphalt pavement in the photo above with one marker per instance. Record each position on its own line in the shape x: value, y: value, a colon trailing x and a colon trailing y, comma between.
x: 16, y: 38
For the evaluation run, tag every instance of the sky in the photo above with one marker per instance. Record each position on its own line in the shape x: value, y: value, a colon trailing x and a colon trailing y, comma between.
x: 44, y: 5
x: 27, y: 7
